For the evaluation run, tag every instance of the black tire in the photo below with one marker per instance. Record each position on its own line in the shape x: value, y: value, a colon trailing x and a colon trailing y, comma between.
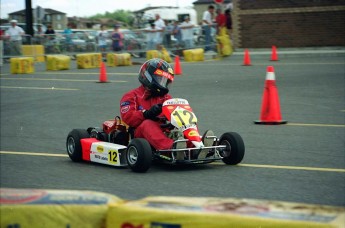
x: 139, y: 155
x: 73, y: 144
x: 234, y: 151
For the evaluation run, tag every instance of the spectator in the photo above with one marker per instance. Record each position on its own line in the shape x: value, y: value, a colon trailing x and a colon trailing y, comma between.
x: 117, y: 38
x: 102, y: 36
x: 68, y: 36
x: 151, y: 37
x: 50, y: 31
x: 14, y: 34
x: 207, y: 25
x: 177, y: 33
x: 160, y: 27
x: 220, y: 20
x: 167, y: 34
x: 228, y: 22
x: 187, y: 33
x: 39, y: 35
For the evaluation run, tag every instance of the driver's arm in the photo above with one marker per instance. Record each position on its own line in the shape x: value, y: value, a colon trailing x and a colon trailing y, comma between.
x: 130, y: 112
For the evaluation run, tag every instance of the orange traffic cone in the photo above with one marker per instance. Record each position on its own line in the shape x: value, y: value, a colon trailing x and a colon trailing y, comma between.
x: 102, y: 73
x: 246, y: 60
x: 270, y: 109
x: 274, y: 55
x: 177, y: 66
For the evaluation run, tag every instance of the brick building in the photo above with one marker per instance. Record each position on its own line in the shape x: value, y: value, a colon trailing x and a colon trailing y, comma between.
x: 286, y: 23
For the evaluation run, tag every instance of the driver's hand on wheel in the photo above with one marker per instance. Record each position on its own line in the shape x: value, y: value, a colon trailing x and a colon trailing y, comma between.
x: 153, y: 112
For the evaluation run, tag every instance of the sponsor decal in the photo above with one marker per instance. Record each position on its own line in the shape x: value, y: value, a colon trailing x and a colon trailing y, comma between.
x: 140, y: 107
x: 100, y: 149
x: 19, y: 196
x: 164, y: 74
x: 193, y: 133
x: 125, y: 109
x: 124, y: 103
x: 170, y: 70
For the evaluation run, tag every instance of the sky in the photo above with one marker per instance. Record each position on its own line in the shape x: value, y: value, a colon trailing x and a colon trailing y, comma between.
x: 81, y: 8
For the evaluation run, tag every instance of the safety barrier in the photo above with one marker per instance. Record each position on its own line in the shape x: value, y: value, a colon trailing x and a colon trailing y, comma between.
x: 193, y: 55
x: 61, y: 208
x: 123, y: 59
x: 58, y: 62
x: 163, y: 54
x: 54, y: 208
x: 90, y: 60
x: 23, y: 65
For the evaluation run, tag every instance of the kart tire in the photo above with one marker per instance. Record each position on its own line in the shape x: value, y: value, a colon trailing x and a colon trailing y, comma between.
x: 234, y: 151
x: 139, y: 155
x: 73, y: 144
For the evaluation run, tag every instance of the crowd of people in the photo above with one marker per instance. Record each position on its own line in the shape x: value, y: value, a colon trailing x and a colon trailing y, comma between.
x: 170, y: 34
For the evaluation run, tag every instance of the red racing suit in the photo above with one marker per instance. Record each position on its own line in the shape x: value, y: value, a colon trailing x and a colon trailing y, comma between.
x: 132, y: 106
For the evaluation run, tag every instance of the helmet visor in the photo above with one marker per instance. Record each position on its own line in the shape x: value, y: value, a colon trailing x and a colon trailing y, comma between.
x: 163, y: 78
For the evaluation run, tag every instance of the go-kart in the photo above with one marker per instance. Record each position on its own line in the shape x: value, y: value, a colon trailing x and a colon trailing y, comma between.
x: 114, y: 144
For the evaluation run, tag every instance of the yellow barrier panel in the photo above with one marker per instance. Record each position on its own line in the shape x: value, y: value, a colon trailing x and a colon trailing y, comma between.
x: 54, y: 208
x: 23, y: 65
x: 58, y: 62
x: 36, y: 51
x: 220, y: 213
x: 193, y: 55
x: 90, y: 60
x: 224, y: 46
x: 164, y: 54
x: 123, y: 59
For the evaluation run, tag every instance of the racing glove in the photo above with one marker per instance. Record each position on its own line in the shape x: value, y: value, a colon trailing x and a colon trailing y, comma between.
x: 153, y: 112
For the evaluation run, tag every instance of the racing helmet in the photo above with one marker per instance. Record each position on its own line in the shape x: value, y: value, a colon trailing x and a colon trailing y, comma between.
x: 156, y: 75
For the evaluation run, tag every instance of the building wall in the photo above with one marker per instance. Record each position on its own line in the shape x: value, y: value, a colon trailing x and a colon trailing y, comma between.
x: 288, y: 23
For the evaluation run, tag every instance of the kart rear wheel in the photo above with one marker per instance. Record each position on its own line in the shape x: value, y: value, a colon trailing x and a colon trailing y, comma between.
x: 139, y: 155
x: 234, y: 151
x: 73, y: 144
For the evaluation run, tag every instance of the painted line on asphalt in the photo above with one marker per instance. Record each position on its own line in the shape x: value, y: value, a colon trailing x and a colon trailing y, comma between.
x: 315, y: 125
x: 85, y: 73
x: 37, y: 88
x: 58, y: 79
x: 33, y: 154
x: 215, y: 163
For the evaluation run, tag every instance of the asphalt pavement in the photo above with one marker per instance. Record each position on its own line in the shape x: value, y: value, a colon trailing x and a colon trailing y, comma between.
x: 302, y: 161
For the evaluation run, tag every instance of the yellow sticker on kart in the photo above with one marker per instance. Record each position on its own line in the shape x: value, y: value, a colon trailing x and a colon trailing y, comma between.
x: 182, y: 117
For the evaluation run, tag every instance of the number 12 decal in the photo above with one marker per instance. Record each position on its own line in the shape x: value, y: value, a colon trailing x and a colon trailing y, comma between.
x: 112, y: 158
x: 183, y: 117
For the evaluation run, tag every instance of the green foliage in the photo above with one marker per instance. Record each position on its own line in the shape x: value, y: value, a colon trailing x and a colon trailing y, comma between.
x: 124, y: 16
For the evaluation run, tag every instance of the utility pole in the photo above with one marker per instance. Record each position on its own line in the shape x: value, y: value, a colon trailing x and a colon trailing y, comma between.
x: 28, y: 18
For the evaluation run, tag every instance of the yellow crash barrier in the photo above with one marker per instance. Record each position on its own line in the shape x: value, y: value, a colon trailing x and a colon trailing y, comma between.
x: 53, y: 208
x: 36, y: 51
x: 193, y: 55
x: 22, y: 65
x: 90, y: 60
x: 221, y: 213
x: 164, y: 54
x: 58, y: 62
x: 123, y: 59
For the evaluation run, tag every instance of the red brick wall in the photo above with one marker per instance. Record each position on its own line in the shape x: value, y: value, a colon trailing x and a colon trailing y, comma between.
x: 289, y: 23
x: 293, y: 29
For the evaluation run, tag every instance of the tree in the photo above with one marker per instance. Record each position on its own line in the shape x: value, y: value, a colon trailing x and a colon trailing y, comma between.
x: 125, y: 16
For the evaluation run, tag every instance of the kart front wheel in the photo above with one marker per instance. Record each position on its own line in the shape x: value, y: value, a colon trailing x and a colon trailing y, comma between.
x: 234, y: 151
x: 139, y: 155
x: 73, y: 144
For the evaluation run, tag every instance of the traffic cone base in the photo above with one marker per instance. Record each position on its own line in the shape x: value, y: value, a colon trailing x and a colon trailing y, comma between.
x: 270, y: 122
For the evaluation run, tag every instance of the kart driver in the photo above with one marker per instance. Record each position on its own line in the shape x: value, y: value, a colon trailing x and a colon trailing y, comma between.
x: 140, y: 107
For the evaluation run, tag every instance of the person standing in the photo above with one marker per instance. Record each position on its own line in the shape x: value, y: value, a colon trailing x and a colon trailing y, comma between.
x: 102, y: 40
x: 68, y: 37
x: 14, y: 34
x: 207, y: 26
x: 187, y: 33
x: 160, y: 27
x: 220, y: 21
x: 151, y: 37
x: 177, y: 34
x: 117, y: 38
x: 228, y: 23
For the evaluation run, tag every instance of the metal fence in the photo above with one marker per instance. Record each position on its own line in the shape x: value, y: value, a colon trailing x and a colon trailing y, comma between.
x: 136, y: 42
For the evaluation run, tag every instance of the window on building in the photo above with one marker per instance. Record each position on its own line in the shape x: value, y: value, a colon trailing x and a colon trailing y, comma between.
x: 58, y: 17
x: 59, y: 26
x: 48, y: 18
